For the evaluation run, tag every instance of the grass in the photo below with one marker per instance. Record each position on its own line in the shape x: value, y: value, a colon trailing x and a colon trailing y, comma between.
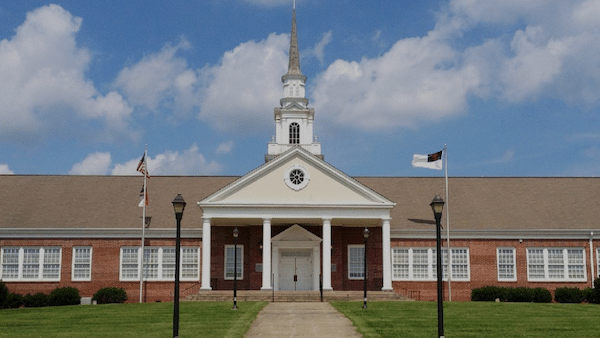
x: 197, y: 319
x: 382, y: 319
x: 473, y: 319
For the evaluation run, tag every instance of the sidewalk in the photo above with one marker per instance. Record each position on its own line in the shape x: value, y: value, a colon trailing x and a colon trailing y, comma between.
x: 301, y: 320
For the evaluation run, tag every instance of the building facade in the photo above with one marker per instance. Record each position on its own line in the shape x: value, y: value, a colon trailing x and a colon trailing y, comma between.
x: 301, y: 224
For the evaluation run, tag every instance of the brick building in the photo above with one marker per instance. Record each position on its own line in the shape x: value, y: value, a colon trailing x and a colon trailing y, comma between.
x: 301, y: 224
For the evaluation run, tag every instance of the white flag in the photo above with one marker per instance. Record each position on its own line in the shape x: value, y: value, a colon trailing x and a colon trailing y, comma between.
x: 431, y: 161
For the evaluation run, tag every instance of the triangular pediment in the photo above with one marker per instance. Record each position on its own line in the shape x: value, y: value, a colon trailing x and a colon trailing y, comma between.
x: 296, y: 233
x: 296, y: 178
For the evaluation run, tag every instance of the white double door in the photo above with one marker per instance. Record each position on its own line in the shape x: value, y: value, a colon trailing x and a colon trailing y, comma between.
x: 296, y: 270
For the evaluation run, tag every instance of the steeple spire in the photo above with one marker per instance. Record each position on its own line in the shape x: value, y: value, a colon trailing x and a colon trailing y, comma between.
x: 294, y: 63
x: 293, y: 119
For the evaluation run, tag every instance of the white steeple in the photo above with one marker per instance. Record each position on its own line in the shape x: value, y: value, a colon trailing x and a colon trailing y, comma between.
x: 293, y: 119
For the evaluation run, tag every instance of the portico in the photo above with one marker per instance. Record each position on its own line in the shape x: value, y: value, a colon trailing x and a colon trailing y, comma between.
x: 328, y: 198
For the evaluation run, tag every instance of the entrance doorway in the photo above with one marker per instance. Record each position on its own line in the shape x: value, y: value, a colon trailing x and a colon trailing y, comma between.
x: 295, y: 270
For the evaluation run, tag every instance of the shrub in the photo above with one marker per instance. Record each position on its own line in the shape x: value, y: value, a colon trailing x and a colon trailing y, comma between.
x: 594, y: 297
x: 110, y: 295
x: 14, y: 301
x: 569, y: 295
x: 519, y: 295
x: 487, y: 294
x: 64, y: 296
x: 3, y: 294
x: 541, y: 295
x: 37, y: 300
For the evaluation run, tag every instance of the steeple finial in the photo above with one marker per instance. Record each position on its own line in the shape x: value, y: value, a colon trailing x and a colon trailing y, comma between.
x: 294, y: 63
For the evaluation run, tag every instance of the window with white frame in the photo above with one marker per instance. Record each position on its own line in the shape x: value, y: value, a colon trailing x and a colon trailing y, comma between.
x: 506, y: 264
x: 229, y: 259
x: 82, y: 264
x: 421, y: 264
x: 31, y: 264
x: 356, y: 261
x: 159, y: 263
x: 556, y: 264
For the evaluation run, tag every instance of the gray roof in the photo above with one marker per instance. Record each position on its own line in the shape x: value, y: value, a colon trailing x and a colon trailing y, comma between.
x: 481, y: 204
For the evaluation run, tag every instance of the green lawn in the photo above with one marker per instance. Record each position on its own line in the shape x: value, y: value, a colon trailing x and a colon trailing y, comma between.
x: 197, y: 319
x: 382, y: 319
x: 474, y: 319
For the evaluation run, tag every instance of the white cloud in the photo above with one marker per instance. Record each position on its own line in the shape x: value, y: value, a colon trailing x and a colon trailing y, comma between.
x: 225, y: 148
x: 190, y: 162
x: 4, y: 170
x: 319, y: 50
x: 239, y: 92
x: 417, y: 79
x: 529, y: 49
x: 94, y: 164
x: 158, y: 77
x: 43, y: 77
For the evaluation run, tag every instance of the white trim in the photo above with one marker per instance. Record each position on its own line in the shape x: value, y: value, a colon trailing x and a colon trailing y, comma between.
x: 43, y: 233
x: 513, y: 254
x: 514, y: 234
x: 296, y: 186
x: 356, y: 246
x: 430, y: 269
x: 598, y: 263
x: 21, y: 263
x: 240, y: 248
x: 545, y: 262
x: 160, y: 264
x: 89, y: 269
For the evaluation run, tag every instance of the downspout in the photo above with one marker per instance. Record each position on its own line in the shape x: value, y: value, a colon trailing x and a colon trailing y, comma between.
x: 592, y: 258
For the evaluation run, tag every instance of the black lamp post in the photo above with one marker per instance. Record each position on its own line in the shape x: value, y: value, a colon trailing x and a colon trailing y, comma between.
x: 366, y: 235
x: 437, y: 205
x: 178, y: 206
x: 236, y: 232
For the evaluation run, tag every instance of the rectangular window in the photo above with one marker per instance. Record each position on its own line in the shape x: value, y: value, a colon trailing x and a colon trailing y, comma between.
x: 31, y: 263
x: 229, y: 258
x: 598, y: 262
x: 421, y: 264
x: 159, y: 263
x: 506, y: 264
x: 556, y: 264
x: 82, y: 264
x: 356, y: 261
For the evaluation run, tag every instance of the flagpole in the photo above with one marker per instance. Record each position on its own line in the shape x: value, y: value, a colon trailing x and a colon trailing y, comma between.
x: 143, y: 222
x: 448, y: 228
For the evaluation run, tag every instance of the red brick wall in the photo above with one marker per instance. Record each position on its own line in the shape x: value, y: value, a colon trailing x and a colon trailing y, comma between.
x: 105, y: 268
x: 483, y: 268
x: 105, y: 263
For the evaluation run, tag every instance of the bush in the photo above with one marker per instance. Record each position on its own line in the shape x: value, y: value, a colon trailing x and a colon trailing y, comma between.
x: 519, y: 295
x: 507, y: 294
x: 14, y: 301
x: 37, y: 300
x: 64, y: 296
x: 594, y: 296
x: 110, y: 295
x: 487, y: 294
x: 541, y: 295
x: 569, y: 295
x: 3, y: 294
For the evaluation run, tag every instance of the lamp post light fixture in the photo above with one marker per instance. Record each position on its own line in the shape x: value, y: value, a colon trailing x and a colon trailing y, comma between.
x: 178, y: 206
x: 236, y: 233
x: 366, y: 236
x: 437, y: 205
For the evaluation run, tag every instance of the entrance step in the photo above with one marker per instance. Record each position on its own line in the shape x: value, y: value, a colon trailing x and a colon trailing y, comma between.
x: 294, y: 296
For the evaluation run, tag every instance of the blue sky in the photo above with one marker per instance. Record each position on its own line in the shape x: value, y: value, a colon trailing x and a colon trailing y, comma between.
x: 512, y: 86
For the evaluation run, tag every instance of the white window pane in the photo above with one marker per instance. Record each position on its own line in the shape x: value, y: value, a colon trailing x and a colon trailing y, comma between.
x: 10, y: 263
x: 356, y: 262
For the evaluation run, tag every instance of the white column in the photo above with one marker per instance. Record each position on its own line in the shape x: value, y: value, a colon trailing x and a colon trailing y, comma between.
x: 266, y: 254
x: 387, y: 255
x: 327, y: 254
x: 206, y: 244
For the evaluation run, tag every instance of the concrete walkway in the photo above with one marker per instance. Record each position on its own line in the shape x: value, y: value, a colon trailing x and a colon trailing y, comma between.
x: 301, y: 320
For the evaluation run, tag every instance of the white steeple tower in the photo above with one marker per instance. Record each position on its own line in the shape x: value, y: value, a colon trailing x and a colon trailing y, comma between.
x: 293, y: 120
